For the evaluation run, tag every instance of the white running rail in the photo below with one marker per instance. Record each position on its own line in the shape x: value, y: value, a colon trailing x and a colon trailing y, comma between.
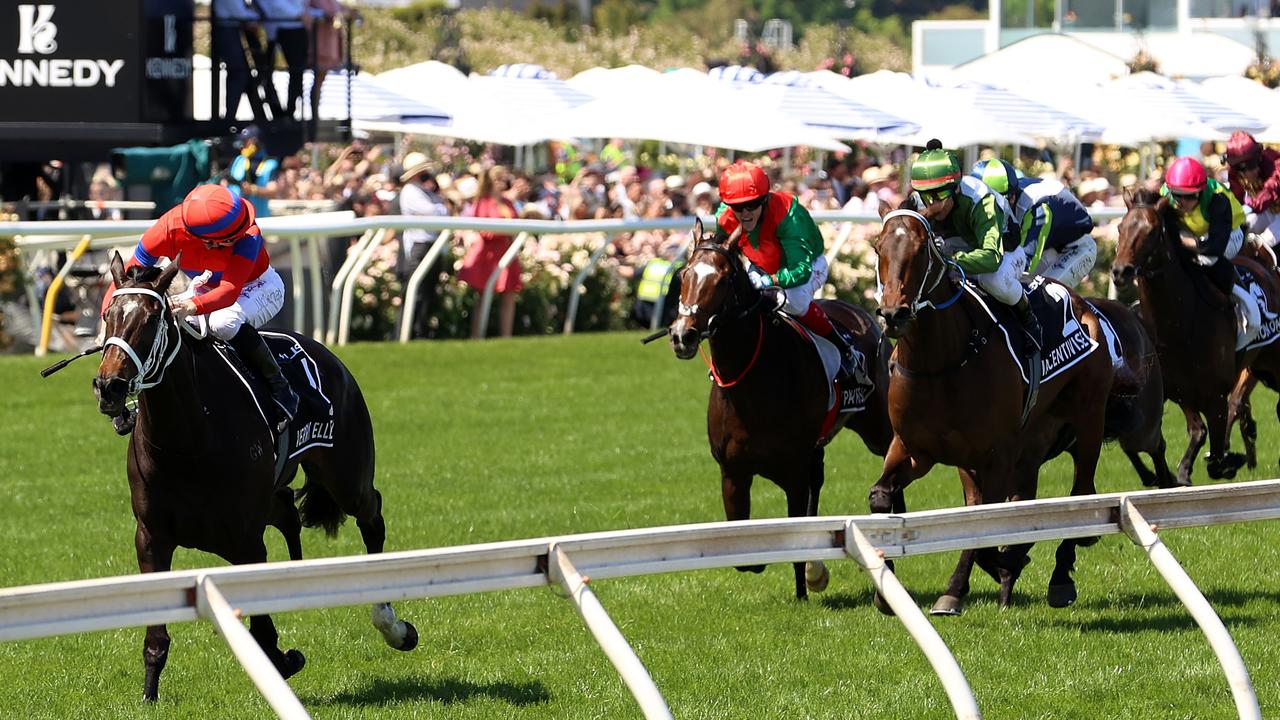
x: 81, y: 606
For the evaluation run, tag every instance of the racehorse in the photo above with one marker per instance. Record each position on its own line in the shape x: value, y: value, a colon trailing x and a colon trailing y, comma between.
x: 1194, y: 326
x: 202, y: 473
x: 956, y: 398
x: 770, y: 397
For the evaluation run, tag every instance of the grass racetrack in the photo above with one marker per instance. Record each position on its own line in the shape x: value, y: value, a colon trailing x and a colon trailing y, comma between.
x: 506, y: 439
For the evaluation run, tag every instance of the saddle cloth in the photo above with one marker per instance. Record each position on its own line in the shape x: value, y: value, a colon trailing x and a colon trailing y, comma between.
x: 313, y: 425
x: 845, y: 396
x: 1065, y: 340
x: 1269, y: 329
x: 1114, y: 347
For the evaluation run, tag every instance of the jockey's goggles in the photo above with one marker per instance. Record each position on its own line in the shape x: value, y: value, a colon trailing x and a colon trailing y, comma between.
x: 1245, y: 165
x: 749, y: 205
x: 935, y: 195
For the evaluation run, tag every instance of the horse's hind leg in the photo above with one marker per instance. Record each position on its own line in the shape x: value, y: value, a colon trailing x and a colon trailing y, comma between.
x: 1196, y: 433
x: 284, y: 517
x: 260, y: 626
x: 153, y: 556
x: 1239, y: 408
x: 399, y: 634
x: 1222, y: 463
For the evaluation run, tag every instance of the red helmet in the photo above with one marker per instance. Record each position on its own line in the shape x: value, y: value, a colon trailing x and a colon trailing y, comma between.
x: 743, y: 181
x: 215, y: 214
x: 1242, y: 146
x: 1186, y: 176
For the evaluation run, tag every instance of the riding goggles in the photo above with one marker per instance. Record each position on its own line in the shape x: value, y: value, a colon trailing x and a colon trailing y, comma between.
x: 936, y: 195
x: 1245, y: 165
x: 748, y: 206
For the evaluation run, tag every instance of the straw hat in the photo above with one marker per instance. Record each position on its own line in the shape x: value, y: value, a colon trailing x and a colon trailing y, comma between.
x: 467, y: 187
x: 1094, y: 185
x: 874, y: 174
x: 415, y: 163
x: 702, y: 188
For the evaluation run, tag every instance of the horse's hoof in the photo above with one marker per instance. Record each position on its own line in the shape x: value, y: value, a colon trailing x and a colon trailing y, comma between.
x: 816, y: 576
x: 1087, y: 541
x: 947, y: 605
x: 410, y: 638
x: 293, y: 663
x: 150, y: 697
x: 882, y: 605
x: 750, y: 568
x: 1061, y: 596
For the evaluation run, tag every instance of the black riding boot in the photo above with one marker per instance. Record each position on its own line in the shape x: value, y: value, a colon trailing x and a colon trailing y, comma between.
x: 1030, y: 324
x: 850, y: 366
x: 249, y: 344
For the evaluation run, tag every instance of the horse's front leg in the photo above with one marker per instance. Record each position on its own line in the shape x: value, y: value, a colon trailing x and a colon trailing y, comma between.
x: 154, y: 555
x: 1196, y: 432
x: 1222, y: 463
x: 735, y: 490
x: 816, y: 575
x: 887, y: 495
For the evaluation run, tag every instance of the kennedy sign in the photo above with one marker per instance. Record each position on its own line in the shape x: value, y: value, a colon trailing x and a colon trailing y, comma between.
x: 123, y: 61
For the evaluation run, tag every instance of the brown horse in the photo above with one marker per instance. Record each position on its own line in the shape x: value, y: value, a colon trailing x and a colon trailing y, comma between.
x: 956, y: 397
x: 201, y: 468
x: 1194, y: 326
x: 769, y: 398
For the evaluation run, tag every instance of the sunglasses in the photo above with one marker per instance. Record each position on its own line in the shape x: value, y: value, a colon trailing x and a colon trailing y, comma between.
x: 748, y: 206
x: 1180, y: 197
x: 1245, y: 166
x: 934, y: 196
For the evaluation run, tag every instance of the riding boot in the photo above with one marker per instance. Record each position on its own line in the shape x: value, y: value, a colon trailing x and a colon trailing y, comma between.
x: 815, y: 318
x: 254, y: 351
x: 1030, y: 325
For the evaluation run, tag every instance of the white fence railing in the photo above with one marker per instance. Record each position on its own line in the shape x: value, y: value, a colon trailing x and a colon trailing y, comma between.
x: 309, y: 229
x: 81, y: 606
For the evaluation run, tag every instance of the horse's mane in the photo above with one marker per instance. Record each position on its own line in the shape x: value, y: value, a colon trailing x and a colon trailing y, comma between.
x: 1144, y: 197
x: 140, y: 274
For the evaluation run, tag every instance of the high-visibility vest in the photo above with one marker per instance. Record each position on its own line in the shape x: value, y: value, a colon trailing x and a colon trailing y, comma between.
x: 655, y: 280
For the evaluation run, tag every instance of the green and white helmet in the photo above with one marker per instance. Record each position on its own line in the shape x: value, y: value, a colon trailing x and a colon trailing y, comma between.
x: 935, y: 168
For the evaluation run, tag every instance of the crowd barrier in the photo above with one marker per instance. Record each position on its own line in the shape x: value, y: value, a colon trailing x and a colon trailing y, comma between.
x: 303, y: 233
x: 223, y: 595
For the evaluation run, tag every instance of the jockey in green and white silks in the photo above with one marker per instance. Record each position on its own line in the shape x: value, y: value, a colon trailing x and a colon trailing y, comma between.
x: 974, y: 220
x: 785, y: 250
x: 1051, y: 225
x: 1212, y: 222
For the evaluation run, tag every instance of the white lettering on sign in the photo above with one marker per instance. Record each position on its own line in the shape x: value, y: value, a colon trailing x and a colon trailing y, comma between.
x: 37, y: 34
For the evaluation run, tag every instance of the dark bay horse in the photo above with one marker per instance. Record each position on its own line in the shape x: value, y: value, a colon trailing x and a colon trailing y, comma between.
x: 1194, y: 326
x: 956, y: 398
x: 769, y: 398
x: 201, y: 464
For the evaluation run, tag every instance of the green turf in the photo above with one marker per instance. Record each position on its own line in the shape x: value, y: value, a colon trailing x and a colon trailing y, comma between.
x: 499, y: 440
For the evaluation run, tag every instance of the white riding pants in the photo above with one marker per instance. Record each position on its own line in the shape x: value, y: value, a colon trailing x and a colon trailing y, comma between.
x: 1071, y: 264
x: 1003, y: 282
x: 259, y: 301
x: 799, y: 297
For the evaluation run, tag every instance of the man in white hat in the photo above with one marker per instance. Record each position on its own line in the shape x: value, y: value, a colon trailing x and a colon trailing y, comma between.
x: 420, y: 196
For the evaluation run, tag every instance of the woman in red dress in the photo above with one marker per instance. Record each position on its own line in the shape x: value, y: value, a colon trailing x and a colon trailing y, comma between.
x: 482, y: 257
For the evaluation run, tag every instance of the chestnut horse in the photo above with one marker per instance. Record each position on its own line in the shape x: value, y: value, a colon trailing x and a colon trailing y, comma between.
x: 202, y: 473
x: 956, y: 398
x: 770, y: 394
x: 1194, y: 326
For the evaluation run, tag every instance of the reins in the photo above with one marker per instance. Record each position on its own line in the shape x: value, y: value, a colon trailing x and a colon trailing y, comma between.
x: 745, y: 310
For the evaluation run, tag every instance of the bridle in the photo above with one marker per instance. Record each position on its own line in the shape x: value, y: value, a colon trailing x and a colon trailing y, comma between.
x: 1148, y: 269
x: 936, y: 260
x: 735, y: 301
x: 160, y: 355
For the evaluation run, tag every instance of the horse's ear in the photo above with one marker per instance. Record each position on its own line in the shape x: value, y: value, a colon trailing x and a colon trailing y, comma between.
x: 697, y: 229
x: 732, y: 239
x: 117, y: 269
x: 1128, y: 199
x: 166, y: 276
x: 884, y: 209
x: 1162, y: 204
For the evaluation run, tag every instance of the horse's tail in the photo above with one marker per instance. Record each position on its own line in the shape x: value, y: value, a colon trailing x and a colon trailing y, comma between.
x: 318, y: 508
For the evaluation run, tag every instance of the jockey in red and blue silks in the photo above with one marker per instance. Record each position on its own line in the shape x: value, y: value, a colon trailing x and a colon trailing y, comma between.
x: 785, y: 249
x: 1211, y: 221
x: 1254, y: 176
x: 216, y: 232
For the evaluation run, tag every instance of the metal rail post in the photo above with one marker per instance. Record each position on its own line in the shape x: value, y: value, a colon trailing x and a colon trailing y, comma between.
x: 46, y: 321
x: 1144, y: 535
x: 415, y: 280
x: 575, y: 292
x: 339, y: 279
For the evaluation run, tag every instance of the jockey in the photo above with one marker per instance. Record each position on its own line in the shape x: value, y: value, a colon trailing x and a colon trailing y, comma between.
x: 1254, y: 176
x: 215, y: 231
x: 1051, y: 226
x: 784, y: 247
x: 1212, y: 223
x: 974, y: 220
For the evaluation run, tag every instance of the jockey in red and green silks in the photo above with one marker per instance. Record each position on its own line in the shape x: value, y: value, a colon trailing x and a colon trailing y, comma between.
x: 785, y: 250
x: 974, y: 220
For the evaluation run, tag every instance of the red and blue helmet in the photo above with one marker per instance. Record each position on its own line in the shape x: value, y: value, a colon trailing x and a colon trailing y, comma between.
x: 215, y: 214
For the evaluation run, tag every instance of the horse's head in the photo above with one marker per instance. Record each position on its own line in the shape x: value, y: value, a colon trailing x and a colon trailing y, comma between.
x: 910, y: 262
x: 141, y: 338
x: 1143, y: 246
x: 712, y: 283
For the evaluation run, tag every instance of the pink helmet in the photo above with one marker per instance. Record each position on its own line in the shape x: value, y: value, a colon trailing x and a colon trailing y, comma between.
x: 1241, y: 146
x: 1186, y: 176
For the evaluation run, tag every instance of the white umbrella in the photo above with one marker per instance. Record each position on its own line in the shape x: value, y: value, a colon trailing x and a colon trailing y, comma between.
x: 1241, y: 93
x: 802, y: 99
